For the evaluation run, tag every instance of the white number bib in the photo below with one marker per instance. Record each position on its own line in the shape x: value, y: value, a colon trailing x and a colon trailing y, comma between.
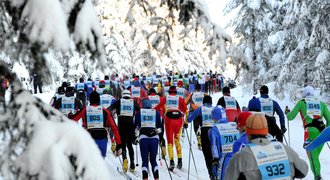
x: 229, y: 134
x: 94, y: 117
x: 80, y: 86
x: 172, y: 102
x: 166, y: 89
x: 267, y: 106
x: 230, y: 102
x: 148, y: 118
x: 313, y: 107
x: 127, y: 83
x: 135, y: 92
x: 67, y: 105
x: 96, y: 83
x: 272, y: 161
x: 197, y: 98
x: 126, y: 107
x: 100, y: 90
x: 207, y: 117
x: 106, y: 100
x: 155, y: 81
x: 180, y: 92
x: 89, y: 83
x: 154, y: 100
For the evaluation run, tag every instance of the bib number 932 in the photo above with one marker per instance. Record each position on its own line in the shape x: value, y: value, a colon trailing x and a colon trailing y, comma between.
x: 275, y: 169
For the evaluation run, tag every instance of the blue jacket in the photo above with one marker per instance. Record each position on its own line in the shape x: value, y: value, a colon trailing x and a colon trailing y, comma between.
x: 197, y: 112
x: 254, y: 105
x: 321, y: 139
x: 215, y: 139
x: 240, y: 143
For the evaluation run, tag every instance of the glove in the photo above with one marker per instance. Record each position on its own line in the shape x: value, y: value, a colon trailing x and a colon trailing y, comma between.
x: 287, y: 110
x: 306, y: 143
x: 118, y: 150
x: 215, y: 167
x: 185, y: 125
x: 163, y: 152
x: 283, y: 129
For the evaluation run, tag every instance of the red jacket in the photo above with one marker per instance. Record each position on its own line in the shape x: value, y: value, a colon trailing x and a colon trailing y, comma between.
x: 108, y: 121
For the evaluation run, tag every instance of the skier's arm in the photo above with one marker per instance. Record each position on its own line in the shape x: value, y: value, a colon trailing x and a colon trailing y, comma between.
x: 113, y: 126
x: 291, y: 115
x: 78, y: 115
x: 321, y: 139
x: 238, y: 107
x: 221, y: 102
x: 213, y: 140
x: 192, y: 116
x: 161, y: 104
x: 232, y: 170
x: 137, y: 120
x: 280, y: 113
x: 325, y: 113
x: 300, y: 166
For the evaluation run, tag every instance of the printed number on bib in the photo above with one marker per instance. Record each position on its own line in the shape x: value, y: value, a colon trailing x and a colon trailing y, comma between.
x: 172, y: 102
x: 267, y: 106
x: 94, y: 117
x: 230, y: 102
x: 126, y: 107
x: 67, y: 105
x: 207, y: 117
x: 229, y: 134
x: 136, y: 92
x: 313, y: 107
x: 148, y: 118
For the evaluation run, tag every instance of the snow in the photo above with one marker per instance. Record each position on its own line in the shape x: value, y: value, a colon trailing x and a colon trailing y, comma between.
x: 243, y: 94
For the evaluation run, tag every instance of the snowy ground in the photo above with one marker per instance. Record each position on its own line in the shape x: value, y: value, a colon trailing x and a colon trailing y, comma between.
x: 294, y: 136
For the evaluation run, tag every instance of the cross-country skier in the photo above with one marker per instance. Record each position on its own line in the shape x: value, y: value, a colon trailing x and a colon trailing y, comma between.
x: 81, y: 91
x: 125, y: 110
x: 222, y: 137
x: 263, y: 159
x: 149, y: 125
x: 96, y: 120
x: 68, y: 104
x: 312, y: 111
x: 175, y: 109
x: 230, y: 104
x: 268, y: 106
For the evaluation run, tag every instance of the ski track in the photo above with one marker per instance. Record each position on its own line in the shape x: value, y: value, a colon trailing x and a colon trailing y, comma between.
x: 243, y: 96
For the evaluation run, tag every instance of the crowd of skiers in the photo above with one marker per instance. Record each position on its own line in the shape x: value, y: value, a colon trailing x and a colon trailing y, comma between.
x: 236, y: 143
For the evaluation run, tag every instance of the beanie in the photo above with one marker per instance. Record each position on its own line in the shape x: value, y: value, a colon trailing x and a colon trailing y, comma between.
x: 219, y: 114
x: 126, y: 94
x: 172, y: 90
x: 207, y: 99
x: 308, y: 91
x: 94, y: 98
x: 256, y: 124
x: 180, y: 83
x: 146, y: 104
x: 102, y: 84
x: 242, y: 117
x: 225, y: 90
x: 151, y: 91
x: 264, y: 89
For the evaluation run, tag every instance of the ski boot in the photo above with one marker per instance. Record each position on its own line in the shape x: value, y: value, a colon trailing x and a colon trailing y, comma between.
x: 179, y: 166
x: 132, y: 167
x: 125, y: 165
x: 172, y: 164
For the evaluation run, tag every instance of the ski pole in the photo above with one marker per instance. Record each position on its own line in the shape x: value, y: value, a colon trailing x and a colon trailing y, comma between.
x: 167, y: 168
x: 285, y: 139
x: 192, y: 153
x: 289, y: 132
x: 137, y: 157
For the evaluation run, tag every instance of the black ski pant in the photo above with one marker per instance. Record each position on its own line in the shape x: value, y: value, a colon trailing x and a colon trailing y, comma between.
x: 206, y: 149
x: 127, y: 136
x: 273, y: 129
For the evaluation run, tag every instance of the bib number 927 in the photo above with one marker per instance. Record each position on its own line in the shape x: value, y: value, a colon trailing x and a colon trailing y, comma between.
x: 275, y: 169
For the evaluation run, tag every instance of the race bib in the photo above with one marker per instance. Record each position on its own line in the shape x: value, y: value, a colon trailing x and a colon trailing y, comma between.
x: 230, y: 102
x: 313, y: 107
x: 135, y: 92
x: 267, y: 106
x: 180, y: 92
x: 172, y: 102
x: 106, y: 100
x: 100, y: 90
x: 126, y: 107
x: 148, y: 118
x: 155, y: 81
x: 207, y: 117
x: 154, y: 100
x: 149, y: 79
x: 272, y: 161
x: 166, y: 89
x: 229, y: 134
x: 197, y: 98
x: 67, y: 105
x: 94, y: 117
x: 127, y: 83
x: 107, y: 83
x: 80, y: 86
x: 89, y: 83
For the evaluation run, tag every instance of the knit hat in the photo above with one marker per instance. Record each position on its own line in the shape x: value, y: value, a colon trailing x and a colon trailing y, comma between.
x: 146, y: 104
x: 102, y: 84
x: 151, y: 91
x: 172, y: 90
x: 225, y: 90
x: 219, y: 114
x: 264, y: 89
x: 308, y: 91
x: 126, y: 94
x: 242, y: 117
x: 207, y: 100
x: 94, y: 98
x: 180, y: 83
x: 256, y: 124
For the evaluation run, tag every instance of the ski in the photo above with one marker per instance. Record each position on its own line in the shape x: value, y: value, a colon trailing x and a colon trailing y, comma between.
x: 175, y: 173
x: 124, y: 174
